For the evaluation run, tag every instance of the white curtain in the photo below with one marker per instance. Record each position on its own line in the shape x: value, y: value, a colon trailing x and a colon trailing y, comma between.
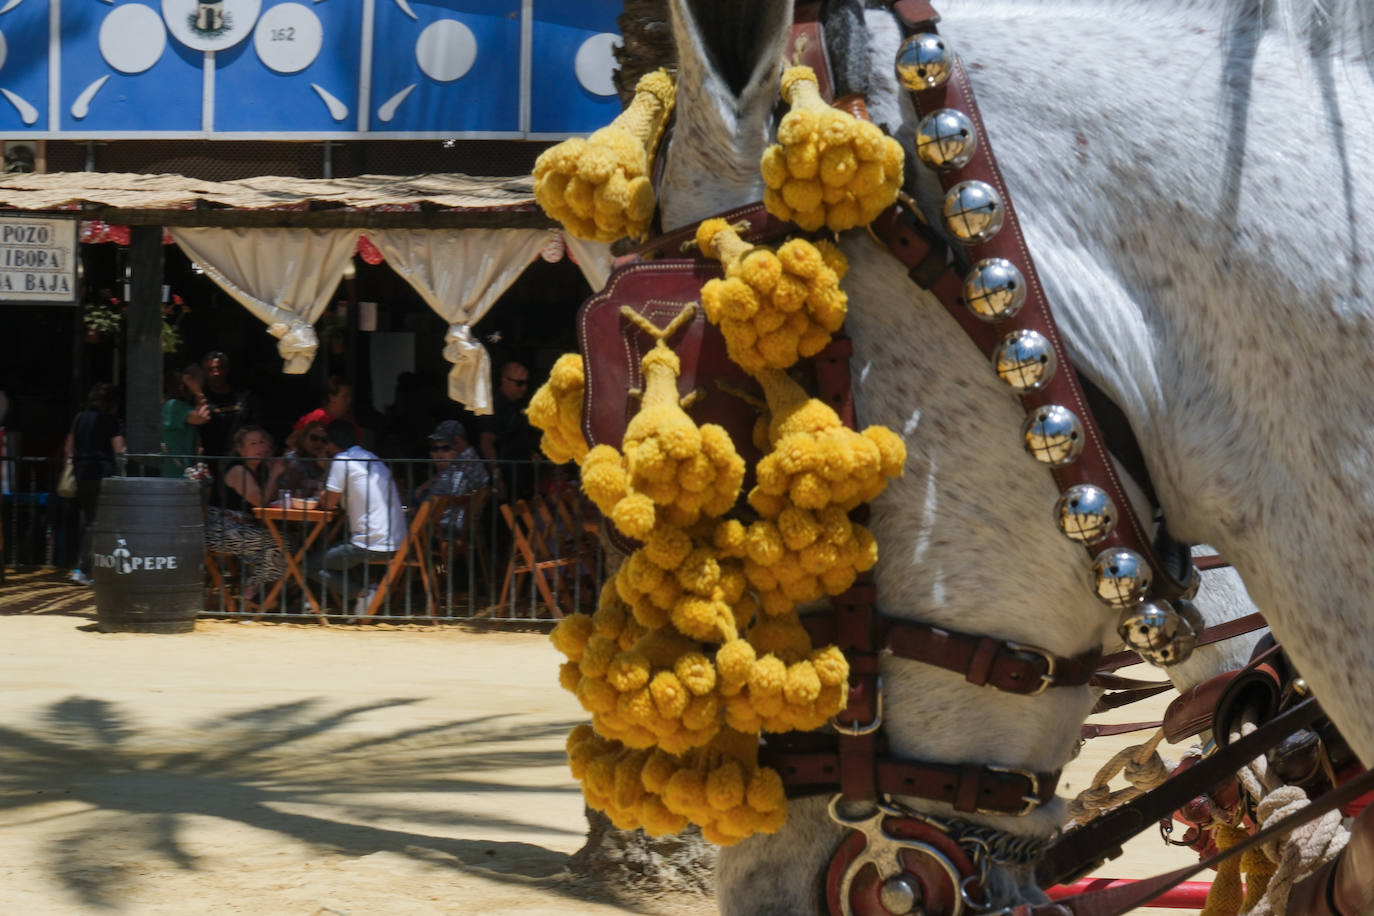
x: 285, y: 277
x: 593, y: 258
x: 461, y: 273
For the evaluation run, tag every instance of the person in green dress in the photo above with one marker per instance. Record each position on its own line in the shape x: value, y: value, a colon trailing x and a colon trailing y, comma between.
x: 184, y: 410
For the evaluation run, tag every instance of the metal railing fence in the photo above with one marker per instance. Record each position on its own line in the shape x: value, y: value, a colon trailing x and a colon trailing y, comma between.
x: 527, y: 547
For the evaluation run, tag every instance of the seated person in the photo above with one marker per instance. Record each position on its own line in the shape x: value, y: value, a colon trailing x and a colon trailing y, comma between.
x: 360, y: 482
x: 249, y: 481
x: 308, y: 462
x: 457, y: 470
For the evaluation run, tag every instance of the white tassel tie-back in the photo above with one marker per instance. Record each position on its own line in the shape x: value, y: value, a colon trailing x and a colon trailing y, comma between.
x: 469, y: 381
x: 1299, y: 852
x: 296, y: 344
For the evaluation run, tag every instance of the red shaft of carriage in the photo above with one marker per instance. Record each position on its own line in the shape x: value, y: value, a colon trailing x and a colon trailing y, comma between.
x: 1191, y: 894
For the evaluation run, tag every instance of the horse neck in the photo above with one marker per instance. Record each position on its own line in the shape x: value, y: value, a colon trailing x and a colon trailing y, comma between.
x: 1201, y: 244
x: 719, y: 134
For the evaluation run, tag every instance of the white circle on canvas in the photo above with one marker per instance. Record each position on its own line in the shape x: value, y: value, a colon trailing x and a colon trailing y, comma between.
x: 4, y: 49
x: 240, y: 14
x: 132, y: 38
x: 595, y: 63
x: 288, y: 38
x: 445, y: 50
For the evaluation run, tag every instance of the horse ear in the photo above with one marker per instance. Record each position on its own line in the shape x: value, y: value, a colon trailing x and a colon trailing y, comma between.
x: 740, y: 44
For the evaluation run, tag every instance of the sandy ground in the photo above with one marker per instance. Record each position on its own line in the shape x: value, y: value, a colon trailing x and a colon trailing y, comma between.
x: 293, y: 769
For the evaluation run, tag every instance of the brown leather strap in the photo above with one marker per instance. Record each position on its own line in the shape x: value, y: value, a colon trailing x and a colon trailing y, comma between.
x: 1103, y: 730
x: 859, y: 721
x: 1094, y: 464
x: 983, y: 660
x: 1119, y: 698
x: 808, y: 47
x: 967, y: 787
x: 762, y: 228
x: 831, y: 366
x: 1239, y: 626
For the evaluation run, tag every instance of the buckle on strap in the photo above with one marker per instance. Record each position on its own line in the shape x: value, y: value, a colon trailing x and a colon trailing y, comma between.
x: 1046, y: 679
x: 864, y: 728
x: 1032, y: 801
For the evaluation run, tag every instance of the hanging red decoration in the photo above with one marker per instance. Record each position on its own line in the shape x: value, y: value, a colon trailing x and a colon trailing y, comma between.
x: 368, y: 251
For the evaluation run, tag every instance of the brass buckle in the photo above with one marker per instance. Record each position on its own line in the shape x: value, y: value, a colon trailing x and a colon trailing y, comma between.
x: 1046, y: 679
x: 1032, y: 800
x: 865, y: 728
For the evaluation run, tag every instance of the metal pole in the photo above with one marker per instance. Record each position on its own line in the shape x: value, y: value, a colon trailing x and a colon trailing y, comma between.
x: 143, y: 399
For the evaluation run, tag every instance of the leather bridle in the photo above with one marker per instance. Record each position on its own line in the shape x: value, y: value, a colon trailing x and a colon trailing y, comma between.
x: 894, y: 859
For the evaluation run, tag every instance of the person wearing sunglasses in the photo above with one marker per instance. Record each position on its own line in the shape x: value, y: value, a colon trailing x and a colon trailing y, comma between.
x: 507, y: 436
x: 309, y: 460
x: 457, y: 470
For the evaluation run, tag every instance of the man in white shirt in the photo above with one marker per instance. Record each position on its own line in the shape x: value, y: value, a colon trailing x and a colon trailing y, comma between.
x: 360, y: 482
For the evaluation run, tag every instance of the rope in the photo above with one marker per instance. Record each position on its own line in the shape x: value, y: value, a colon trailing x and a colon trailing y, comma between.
x: 1142, y: 767
x: 1275, y: 867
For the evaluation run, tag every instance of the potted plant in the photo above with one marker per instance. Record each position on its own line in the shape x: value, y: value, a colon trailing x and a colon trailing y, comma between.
x: 104, y: 316
x: 172, y: 313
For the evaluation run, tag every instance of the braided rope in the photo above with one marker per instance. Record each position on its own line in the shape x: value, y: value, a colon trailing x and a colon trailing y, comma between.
x: 1292, y: 857
x: 1141, y: 766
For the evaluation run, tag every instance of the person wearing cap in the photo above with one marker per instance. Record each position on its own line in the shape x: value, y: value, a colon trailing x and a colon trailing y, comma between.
x: 458, y: 469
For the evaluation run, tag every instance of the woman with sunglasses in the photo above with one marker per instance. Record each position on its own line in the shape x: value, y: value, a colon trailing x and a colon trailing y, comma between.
x: 309, y: 461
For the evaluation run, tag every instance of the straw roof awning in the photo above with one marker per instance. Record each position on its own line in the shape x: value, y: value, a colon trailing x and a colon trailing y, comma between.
x: 414, y: 201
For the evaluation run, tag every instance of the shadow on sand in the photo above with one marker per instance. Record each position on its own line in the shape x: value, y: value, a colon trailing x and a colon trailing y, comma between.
x: 296, y: 769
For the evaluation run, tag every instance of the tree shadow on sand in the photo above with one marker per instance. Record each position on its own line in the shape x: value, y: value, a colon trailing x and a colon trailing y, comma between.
x: 296, y: 769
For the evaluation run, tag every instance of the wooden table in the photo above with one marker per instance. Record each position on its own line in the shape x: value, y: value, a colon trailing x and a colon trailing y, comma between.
x: 315, y: 522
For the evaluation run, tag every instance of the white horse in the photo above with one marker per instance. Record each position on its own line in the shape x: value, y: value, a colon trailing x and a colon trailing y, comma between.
x: 1192, y: 178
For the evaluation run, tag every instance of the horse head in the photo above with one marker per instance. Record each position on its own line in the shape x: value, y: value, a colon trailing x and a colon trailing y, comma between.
x: 1198, y: 280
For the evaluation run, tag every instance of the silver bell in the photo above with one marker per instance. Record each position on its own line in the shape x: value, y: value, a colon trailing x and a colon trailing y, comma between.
x: 1053, y: 435
x: 924, y: 62
x: 946, y: 139
x: 994, y: 289
x: 1025, y: 360
x: 1121, y: 577
x: 1086, y: 514
x: 1160, y: 634
x: 973, y: 212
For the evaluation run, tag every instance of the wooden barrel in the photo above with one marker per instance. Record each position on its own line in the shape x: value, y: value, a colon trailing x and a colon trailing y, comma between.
x: 147, y: 555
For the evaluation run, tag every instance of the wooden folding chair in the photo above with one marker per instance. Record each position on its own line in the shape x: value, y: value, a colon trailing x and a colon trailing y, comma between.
x: 223, y: 581
x: 448, y: 551
x: 540, y: 550
x: 414, y: 553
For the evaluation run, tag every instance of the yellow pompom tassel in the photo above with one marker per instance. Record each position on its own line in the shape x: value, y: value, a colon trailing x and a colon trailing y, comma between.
x: 599, y: 188
x: 556, y: 411
x: 828, y: 168
x: 773, y: 308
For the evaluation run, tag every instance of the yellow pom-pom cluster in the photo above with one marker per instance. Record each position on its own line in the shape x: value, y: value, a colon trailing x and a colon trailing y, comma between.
x: 670, y: 470
x: 816, y: 460
x: 556, y: 411
x: 828, y: 168
x: 776, y: 681
x: 772, y: 307
x: 644, y: 687
x: 599, y: 188
x: 719, y: 787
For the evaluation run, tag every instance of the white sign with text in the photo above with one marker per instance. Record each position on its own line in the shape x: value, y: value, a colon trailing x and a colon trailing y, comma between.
x: 38, y: 260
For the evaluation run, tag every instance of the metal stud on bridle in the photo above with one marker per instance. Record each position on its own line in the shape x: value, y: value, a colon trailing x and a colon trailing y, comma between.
x: 994, y: 290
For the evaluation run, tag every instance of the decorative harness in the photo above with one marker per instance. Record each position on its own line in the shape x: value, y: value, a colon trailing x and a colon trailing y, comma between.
x: 895, y: 860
